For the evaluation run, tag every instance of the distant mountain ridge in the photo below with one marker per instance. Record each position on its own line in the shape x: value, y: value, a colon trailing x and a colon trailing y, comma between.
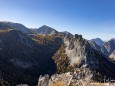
x: 98, y: 41
x: 107, y: 48
x: 19, y: 54
x: 17, y: 26
x: 43, y: 30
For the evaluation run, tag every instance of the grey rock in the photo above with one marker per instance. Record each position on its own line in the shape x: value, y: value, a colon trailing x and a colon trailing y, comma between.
x: 43, y: 80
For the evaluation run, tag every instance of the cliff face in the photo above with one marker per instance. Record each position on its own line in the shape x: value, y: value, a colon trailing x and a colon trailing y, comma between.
x: 78, y: 53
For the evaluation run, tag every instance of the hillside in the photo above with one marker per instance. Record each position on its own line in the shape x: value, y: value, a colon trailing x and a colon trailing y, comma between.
x: 22, y: 60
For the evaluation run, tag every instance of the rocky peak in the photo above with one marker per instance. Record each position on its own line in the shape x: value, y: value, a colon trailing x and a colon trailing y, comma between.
x: 46, y: 30
x: 76, y: 49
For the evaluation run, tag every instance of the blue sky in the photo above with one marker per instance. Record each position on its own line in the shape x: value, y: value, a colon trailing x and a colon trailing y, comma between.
x: 91, y: 18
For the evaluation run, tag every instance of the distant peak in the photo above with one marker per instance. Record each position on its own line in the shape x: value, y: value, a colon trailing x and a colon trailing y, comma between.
x: 6, y: 22
x: 45, y: 26
x: 112, y: 39
x: 98, y: 41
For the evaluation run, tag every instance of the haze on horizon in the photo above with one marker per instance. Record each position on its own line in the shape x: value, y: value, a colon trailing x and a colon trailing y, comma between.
x: 91, y: 18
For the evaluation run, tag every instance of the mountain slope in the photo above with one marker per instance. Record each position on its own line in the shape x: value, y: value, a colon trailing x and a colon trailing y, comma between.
x: 22, y: 60
x: 4, y: 26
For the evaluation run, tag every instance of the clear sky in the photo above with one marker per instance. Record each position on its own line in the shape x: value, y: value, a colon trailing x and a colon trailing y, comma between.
x: 91, y: 18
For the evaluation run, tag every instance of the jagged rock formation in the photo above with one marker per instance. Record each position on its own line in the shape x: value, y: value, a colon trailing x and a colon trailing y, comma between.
x: 62, y: 80
x: 79, y: 77
x: 78, y: 53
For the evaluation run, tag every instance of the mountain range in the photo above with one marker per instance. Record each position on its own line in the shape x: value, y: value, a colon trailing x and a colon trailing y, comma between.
x: 107, y: 48
x: 26, y: 53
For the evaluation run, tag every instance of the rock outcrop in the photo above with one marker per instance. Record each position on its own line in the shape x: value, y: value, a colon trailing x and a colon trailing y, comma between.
x: 67, y: 79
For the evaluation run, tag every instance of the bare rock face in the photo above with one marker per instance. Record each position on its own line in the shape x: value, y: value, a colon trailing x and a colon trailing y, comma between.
x: 62, y: 80
x: 79, y: 51
x: 81, y: 54
x: 43, y: 81
x: 80, y: 77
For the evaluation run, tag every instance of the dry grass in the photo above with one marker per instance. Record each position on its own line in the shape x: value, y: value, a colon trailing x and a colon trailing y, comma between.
x: 4, y: 30
x: 100, y: 84
x: 58, y: 83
